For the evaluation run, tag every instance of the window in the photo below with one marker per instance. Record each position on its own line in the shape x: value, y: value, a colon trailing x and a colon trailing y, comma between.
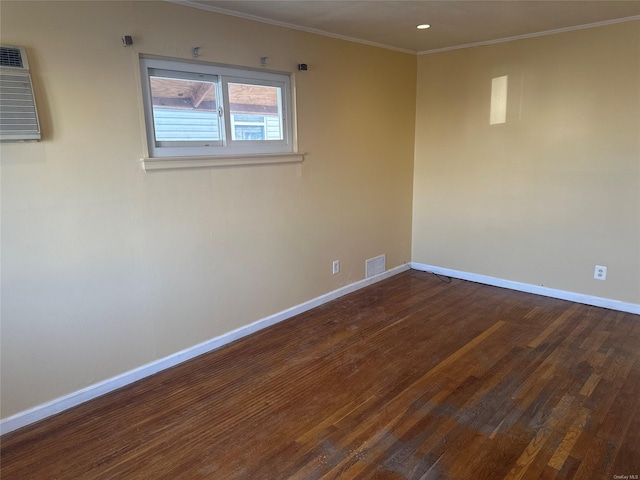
x: 196, y: 109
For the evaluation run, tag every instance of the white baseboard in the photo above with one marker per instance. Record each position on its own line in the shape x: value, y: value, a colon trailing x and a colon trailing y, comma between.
x: 528, y: 288
x: 58, y: 405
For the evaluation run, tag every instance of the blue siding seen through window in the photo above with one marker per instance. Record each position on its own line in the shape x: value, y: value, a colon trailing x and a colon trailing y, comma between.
x: 173, y: 125
x: 185, y: 125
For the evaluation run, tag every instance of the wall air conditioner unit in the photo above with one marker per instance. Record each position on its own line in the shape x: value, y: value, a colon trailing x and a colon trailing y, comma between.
x: 18, y: 114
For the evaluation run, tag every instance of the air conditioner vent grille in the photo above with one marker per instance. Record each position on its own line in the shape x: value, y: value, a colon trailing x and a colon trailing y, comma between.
x: 17, y: 106
x: 11, y: 57
x: 18, y: 112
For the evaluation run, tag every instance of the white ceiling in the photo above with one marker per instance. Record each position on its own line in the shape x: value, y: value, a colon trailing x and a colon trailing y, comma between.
x: 392, y: 24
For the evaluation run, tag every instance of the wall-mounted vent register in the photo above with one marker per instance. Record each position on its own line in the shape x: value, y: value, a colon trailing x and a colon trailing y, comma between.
x: 18, y: 114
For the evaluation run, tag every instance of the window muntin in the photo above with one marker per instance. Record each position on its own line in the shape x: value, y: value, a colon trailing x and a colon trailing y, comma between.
x: 207, y: 110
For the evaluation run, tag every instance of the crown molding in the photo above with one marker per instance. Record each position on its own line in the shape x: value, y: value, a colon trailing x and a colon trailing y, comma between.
x: 246, y: 16
x: 255, y: 18
x: 531, y: 35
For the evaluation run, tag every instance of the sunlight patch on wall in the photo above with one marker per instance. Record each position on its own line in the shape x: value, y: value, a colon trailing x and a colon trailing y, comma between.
x: 498, y: 100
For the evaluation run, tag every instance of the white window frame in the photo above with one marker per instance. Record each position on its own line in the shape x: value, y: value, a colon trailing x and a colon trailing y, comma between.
x: 226, y: 148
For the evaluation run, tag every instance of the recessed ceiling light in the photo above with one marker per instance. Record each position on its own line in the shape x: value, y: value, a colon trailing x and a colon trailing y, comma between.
x: 423, y: 26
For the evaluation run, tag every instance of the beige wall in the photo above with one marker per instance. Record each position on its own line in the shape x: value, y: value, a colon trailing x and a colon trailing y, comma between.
x: 106, y: 268
x: 545, y: 197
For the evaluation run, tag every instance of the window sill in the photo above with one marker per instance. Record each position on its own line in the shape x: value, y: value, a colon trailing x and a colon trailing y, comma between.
x: 181, y: 163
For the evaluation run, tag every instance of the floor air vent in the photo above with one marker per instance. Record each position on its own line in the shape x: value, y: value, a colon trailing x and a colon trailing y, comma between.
x: 376, y: 266
x: 18, y: 114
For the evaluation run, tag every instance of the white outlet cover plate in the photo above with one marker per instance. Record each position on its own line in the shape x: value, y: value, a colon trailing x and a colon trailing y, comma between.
x: 600, y: 272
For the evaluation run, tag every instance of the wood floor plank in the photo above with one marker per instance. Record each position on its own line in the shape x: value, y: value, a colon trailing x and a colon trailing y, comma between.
x: 568, y: 441
x: 409, y: 378
x: 627, y: 457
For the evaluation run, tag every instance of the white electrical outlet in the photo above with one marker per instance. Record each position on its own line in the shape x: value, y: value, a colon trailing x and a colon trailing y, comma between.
x: 336, y: 266
x: 600, y: 273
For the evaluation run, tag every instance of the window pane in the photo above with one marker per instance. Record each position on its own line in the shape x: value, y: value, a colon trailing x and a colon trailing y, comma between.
x: 256, y: 112
x: 184, y: 110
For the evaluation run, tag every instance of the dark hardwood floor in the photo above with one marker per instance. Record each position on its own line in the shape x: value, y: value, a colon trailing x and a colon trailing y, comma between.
x: 410, y: 378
